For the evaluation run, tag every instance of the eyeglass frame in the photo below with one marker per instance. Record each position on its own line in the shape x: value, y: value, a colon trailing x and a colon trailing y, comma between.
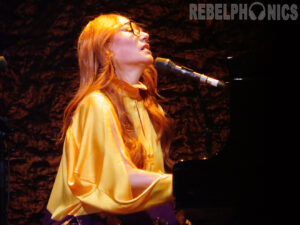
x: 130, y: 22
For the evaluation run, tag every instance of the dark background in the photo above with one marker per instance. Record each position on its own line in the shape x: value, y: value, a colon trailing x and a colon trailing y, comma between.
x: 38, y: 40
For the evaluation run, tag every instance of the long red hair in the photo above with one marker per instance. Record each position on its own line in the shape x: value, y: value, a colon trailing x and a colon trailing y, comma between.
x: 97, y: 73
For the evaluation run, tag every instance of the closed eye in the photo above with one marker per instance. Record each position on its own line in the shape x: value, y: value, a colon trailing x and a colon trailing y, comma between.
x: 126, y: 28
x: 132, y: 27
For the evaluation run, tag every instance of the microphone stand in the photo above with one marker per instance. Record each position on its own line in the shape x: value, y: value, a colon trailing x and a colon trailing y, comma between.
x: 209, y: 125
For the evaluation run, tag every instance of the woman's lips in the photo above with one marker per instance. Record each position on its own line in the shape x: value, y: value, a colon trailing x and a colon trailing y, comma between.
x: 146, y: 46
x: 146, y: 49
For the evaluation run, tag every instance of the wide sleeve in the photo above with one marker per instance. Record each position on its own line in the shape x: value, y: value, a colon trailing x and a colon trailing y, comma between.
x: 99, y: 172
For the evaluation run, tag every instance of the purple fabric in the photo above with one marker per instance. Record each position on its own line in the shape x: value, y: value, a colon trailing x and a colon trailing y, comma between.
x: 91, y: 219
x: 162, y: 215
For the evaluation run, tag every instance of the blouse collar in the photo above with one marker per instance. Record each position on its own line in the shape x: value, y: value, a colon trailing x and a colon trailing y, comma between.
x: 131, y: 91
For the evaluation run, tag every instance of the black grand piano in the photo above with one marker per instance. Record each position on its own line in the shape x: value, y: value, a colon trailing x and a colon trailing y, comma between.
x: 228, y: 188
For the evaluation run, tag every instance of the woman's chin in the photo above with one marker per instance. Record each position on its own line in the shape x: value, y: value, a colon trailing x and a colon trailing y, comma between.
x: 148, y: 58
x: 147, y: 54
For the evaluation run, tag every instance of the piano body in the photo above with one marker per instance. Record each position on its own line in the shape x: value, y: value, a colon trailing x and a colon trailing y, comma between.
x: 228, y: 188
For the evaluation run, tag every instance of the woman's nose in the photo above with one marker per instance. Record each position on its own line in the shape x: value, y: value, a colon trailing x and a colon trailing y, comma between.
x: 144, y: 36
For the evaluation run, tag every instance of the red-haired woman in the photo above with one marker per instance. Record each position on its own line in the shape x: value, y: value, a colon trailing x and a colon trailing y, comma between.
x: 116, y: 136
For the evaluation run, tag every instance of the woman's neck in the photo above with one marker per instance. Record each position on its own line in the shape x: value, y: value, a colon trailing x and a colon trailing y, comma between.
x: 130, y: 73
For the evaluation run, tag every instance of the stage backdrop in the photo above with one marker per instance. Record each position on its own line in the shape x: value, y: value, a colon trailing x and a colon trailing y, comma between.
x: 38, y: 39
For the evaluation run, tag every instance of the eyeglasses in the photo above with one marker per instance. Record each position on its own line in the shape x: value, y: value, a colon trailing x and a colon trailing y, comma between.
x: 134, y: 28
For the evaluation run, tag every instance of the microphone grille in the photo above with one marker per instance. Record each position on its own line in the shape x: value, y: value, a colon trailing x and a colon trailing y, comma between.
x: 161, y: 64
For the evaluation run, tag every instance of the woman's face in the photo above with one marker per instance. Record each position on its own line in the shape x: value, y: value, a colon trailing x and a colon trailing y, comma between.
x: 130, y: 46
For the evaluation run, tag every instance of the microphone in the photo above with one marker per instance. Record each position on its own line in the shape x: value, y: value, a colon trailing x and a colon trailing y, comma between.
x: 3, y: 63
x: 166, y: 65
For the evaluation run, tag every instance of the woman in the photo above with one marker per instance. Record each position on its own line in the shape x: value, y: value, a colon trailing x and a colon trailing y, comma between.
x: 115, y: 134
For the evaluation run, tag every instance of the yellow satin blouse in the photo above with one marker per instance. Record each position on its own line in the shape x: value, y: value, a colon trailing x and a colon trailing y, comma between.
x: 95, y: 172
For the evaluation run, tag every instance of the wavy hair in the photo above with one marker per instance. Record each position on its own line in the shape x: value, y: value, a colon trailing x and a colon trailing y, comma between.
x: 97, y: 73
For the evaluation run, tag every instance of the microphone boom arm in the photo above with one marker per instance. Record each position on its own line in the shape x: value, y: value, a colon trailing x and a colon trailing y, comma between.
x: 162, y: 64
